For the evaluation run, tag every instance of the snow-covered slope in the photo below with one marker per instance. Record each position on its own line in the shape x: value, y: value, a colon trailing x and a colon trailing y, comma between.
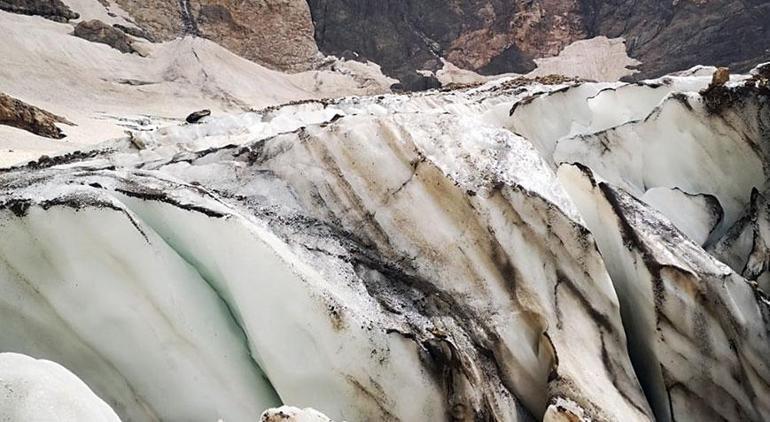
x: 105, y: 92
x: 408, y: 257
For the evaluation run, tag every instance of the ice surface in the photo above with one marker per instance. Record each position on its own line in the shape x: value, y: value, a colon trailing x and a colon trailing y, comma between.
x: 513, y: 251
x: 34, y: 390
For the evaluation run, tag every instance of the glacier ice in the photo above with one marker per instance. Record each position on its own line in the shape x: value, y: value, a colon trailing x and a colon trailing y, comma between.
x: 514, y: 251
x: 293, y: 414
x: 698, y: 330
x: 35, y: 390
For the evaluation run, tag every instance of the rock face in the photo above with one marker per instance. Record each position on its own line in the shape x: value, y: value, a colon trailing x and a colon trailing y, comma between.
x: 99, y: 32
x: 509, y: 252
x: 671, y: 36
x: 487, y: 36
x: 493, y: 36
x: 21, y: 115
x: 54, y: 10
x: 276, y: 33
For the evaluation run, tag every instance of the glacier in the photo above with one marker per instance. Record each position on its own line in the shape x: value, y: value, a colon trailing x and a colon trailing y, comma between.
x: 525, y: 249
x: 39, y: 390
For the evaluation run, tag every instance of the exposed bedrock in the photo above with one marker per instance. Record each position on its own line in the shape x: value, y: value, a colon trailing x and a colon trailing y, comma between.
x: 17, y: 113
x: 275, y: 33
x: 55, y: 10
x: 495, y: 36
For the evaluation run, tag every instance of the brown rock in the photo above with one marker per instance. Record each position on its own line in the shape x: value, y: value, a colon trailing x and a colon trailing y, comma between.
x: 537, y: 29
x: 21, y: 115
x: 275, y: 33
x: 486, y: 36
x: 99, y: 32
x: 721, y: 76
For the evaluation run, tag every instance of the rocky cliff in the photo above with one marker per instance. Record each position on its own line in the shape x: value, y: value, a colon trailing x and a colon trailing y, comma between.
x: 496, y: 36
x: 484, y: 36
x: 276, y: 33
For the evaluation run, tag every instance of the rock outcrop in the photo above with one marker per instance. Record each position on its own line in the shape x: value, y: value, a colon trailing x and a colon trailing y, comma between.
x: 675, y: 35
x: 55, y: 10
x: 486, y: 36
x: 493, y: 36
x: 16, y: 113
x: 275, y: 33
x: 482, y: 35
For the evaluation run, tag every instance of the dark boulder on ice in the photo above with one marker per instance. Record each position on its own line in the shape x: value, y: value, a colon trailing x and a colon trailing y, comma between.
x: 196, y: 116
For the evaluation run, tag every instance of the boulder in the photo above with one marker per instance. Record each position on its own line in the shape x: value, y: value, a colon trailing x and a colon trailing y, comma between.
x: 196, y: 116
x: 99, y: 32
x: 721, y: 76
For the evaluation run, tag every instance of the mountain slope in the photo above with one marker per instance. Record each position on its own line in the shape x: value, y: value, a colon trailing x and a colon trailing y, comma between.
x: 494, y: 36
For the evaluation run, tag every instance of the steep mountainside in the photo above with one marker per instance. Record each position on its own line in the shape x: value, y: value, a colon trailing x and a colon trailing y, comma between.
x: 496, y: 36
x: 673, y: 35
x: 492, y: 36
x: 276, y: 33
x: 485, y: 36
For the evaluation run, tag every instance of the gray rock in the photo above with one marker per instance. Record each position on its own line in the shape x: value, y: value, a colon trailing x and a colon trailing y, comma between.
x: 135, y: 32
x: 195, y: 117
